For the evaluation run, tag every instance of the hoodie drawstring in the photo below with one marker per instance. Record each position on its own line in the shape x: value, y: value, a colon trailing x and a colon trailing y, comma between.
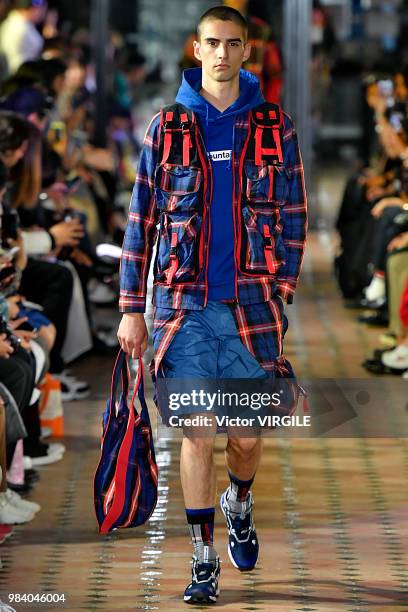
x: 232, y: 147
x: 206, y: 125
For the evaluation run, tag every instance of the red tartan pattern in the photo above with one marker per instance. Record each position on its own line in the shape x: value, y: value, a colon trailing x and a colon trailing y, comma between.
x: 259, y: 311
x: 144, y: 216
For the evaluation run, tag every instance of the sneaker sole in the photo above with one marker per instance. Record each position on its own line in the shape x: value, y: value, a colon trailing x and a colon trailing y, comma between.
x: 197, y: 600
x: 41, y: 461
x: 32, y: 510
x: 21, y: 520
x: 243, y: 570
x: 75, y: 396
x: 4, y: 537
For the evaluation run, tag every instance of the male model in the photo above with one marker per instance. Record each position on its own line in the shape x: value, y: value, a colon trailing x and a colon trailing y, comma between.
x: 221, y: 176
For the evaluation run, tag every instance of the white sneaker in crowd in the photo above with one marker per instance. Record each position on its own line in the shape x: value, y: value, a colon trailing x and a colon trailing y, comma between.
x: 27, y: 463
x: 397, y: 358
x: 55, y: 452
x: 10, y: 515
x: 108, y: 337
x: 6, y: 608
x: 56, y: 447
x: 46, y: 432
x: 21, y: 504
x: 71, y: 388
x: 376, y: 289
x: 102, y: 294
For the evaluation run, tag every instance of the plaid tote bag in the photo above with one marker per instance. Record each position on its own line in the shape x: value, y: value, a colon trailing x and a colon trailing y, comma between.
x: 125, y: 483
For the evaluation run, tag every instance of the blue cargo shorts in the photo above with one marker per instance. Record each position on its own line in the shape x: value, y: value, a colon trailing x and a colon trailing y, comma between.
x: 208, y: 346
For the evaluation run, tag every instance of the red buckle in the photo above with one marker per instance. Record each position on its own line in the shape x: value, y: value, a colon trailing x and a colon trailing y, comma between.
x: 260, y: 151
x: 269, y: 250
x: 173, y: 258
x: 186, y: 139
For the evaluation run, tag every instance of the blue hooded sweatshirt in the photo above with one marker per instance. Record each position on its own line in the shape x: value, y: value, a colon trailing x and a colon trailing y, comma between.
x: 218, y: 131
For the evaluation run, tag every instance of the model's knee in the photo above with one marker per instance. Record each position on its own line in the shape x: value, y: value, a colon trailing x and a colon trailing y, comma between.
x: 243, y: 446
x: 199, y: 445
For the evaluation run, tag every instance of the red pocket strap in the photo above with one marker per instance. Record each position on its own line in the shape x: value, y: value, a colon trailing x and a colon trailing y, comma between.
x: 269, y: 250
x: 173, y: 258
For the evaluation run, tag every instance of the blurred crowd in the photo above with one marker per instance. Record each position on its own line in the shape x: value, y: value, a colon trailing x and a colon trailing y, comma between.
x: 372, y: 268
x: 61, y: 228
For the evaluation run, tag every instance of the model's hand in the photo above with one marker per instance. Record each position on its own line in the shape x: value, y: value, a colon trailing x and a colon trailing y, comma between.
x: 132, y: 334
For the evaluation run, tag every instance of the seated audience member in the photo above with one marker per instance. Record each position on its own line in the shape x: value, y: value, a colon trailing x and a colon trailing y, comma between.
x: 397, y: 358
x: 19, y: 38
x: 47, y: 283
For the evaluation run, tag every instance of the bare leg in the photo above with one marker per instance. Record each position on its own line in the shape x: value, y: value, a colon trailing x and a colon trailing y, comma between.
x: 242, y: 456
x: 197, y: 471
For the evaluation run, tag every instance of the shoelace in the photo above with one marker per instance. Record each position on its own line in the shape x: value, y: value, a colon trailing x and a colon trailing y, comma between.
x: 203, y: 571
x: 242, y: 523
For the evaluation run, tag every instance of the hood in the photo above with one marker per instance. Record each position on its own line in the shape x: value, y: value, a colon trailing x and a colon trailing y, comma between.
x: 188, y: 95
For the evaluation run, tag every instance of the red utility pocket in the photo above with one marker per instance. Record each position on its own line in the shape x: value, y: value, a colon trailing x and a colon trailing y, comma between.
x: 178, y: 247
x: 262, y: 249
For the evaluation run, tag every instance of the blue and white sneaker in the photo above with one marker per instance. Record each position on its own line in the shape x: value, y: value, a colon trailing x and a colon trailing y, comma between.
x: 243, y: 547
x: 203, y: 588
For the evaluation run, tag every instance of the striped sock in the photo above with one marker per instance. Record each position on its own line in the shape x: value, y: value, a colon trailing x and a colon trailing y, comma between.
x: 201, y: 527
x: 238, y: 492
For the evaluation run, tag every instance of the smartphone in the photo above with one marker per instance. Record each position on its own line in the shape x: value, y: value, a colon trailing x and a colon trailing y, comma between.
x: 386, y: 87
x: 9, y: 224
x: 32, y: 305
x: 396, y: 120
x: 26, y: 326
x: 11, y: 253
x: 72, y: 184
x: 7, y: 273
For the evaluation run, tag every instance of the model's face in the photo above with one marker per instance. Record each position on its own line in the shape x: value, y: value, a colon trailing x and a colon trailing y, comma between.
x: 222, y: 49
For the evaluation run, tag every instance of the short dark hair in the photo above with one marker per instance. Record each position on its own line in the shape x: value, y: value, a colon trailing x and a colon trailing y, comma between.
x: 223, y: 13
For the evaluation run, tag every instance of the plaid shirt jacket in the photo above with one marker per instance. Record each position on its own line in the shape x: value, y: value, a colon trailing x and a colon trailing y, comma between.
x: 258, y: 311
